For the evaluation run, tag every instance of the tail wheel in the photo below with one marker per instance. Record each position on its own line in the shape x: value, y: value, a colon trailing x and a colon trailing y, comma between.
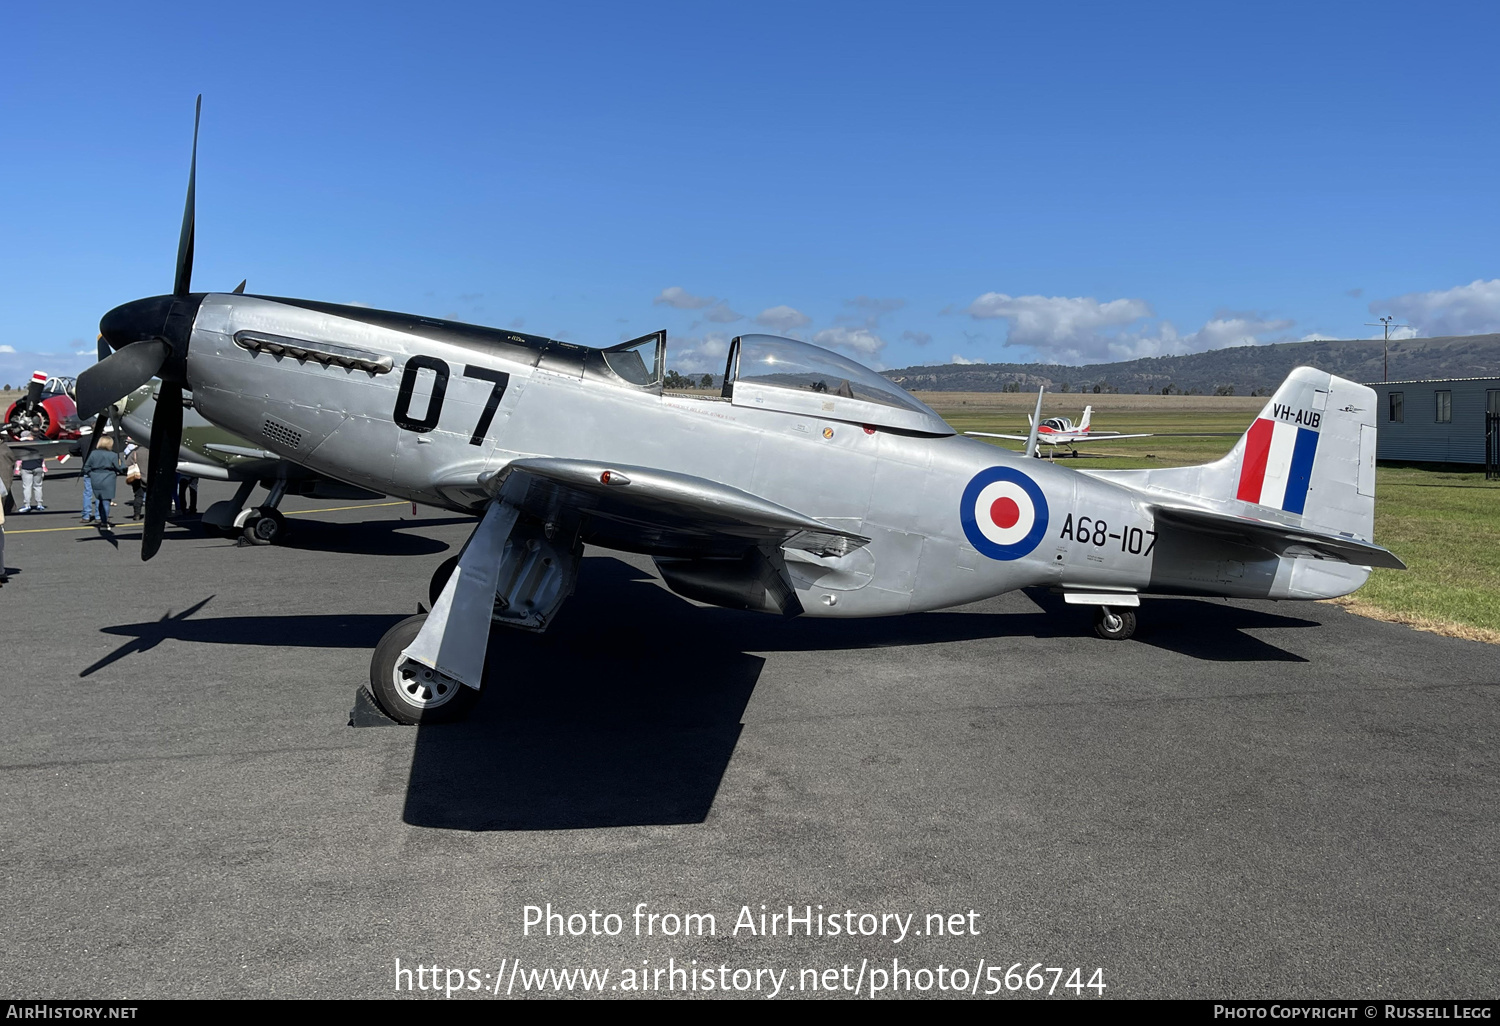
x: 410, y: 692
x: 1114, y: 624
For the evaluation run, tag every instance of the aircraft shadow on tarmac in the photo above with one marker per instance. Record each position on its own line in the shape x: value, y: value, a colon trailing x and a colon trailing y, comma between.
x: 331, y: 631
x: 369, y: 538
x: 628, y: 710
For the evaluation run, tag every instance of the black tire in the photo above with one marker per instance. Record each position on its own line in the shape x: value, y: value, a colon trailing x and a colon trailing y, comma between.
x: 1114, y: 624
x: 440, y: 579
x: 404, y: 695
x: 265, y: 527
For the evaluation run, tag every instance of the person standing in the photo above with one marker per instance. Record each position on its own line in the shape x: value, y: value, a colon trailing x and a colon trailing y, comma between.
x: 33, y: 468
x: 7, y: 472
x: 137, y: 482
x: 5, y: 479
x: 102, y: 467
x: 86, y: 511
x: 187, y: 494
x: 4, y: 577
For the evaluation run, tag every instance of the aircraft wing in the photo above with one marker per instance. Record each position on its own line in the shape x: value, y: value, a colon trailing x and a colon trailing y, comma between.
x: 645, y: 510
x: 1102, y: 438
x: 47, y: 448
x: 1279, y: 537
x: 987, y: 434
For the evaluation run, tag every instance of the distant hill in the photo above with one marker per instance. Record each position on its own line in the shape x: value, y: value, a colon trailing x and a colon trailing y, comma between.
x: 1247, y: 369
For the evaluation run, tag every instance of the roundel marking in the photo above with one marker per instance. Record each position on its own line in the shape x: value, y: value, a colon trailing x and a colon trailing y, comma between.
x: 1004, y: 513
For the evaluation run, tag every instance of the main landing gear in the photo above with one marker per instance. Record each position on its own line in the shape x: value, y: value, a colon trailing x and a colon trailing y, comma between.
x: 1114, y: 624
x: 513, y: 572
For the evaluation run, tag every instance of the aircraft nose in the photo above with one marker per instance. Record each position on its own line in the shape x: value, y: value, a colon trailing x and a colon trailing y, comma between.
x: 136, y: 321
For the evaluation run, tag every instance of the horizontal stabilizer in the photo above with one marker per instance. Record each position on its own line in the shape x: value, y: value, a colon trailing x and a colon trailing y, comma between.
x: 1280, y: 537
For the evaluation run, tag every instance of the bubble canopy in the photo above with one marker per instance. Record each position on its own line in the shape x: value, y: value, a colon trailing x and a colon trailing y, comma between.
x: 783, y: 374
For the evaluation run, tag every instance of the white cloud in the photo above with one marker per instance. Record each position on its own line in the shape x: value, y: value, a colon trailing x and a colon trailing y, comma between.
x: 1470, y: 309
x: 1225, y: 332
x: 963, y: 361
x: 1081, y: 329
x: 863, y: 342
x: 701, y: 355
x: 782, y: 318
x: 916, y: 338
x: 1078, y: 328
x: 7, y: 349
x: 721, y: 314
x: 681, y: 299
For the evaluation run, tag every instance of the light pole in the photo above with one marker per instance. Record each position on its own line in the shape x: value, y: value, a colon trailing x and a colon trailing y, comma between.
x: 1386, y: 322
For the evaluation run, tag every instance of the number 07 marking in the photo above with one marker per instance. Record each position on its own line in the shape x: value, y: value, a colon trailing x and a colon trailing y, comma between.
x: 402, y: 413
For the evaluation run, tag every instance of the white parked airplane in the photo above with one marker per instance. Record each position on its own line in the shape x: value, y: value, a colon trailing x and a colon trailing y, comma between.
x: 1056, y: 431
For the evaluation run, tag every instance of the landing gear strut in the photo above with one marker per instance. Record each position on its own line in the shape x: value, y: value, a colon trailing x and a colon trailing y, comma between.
x: 1114, y: 624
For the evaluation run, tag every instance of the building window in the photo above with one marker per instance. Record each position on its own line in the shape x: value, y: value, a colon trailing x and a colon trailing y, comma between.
x: 1445, y: 407
x: 1492, y: 401
x: 1398, y: 407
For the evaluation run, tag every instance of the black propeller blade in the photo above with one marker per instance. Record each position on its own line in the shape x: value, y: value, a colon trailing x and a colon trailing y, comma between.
x: 116, y: 376
x: 161, y: 472
x: 184, y: 280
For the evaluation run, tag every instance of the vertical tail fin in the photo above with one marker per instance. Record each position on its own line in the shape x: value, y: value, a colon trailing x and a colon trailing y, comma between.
x: 1088, y: 412
x: 1308, y: 459
x: 1311, y: 453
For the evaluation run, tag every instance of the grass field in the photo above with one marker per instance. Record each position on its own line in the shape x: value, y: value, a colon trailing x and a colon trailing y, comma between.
x: 1442, y: 520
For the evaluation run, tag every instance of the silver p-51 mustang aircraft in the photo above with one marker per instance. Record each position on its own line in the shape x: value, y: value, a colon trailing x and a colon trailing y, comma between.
x: 811, y: 486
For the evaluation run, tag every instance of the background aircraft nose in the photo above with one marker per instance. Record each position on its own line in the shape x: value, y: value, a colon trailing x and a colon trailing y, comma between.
x: 136, y: 321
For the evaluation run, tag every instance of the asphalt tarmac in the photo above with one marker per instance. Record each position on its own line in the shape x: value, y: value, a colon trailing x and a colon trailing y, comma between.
x: 1251, y: 799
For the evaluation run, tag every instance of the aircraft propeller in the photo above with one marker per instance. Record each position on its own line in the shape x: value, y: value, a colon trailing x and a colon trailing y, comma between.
x: 150, y: 340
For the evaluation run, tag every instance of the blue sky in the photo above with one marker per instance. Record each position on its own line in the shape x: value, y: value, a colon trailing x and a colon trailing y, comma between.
x: 914, y: 183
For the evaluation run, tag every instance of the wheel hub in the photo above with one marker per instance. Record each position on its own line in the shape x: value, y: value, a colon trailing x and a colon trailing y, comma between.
x: 422, y: 687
